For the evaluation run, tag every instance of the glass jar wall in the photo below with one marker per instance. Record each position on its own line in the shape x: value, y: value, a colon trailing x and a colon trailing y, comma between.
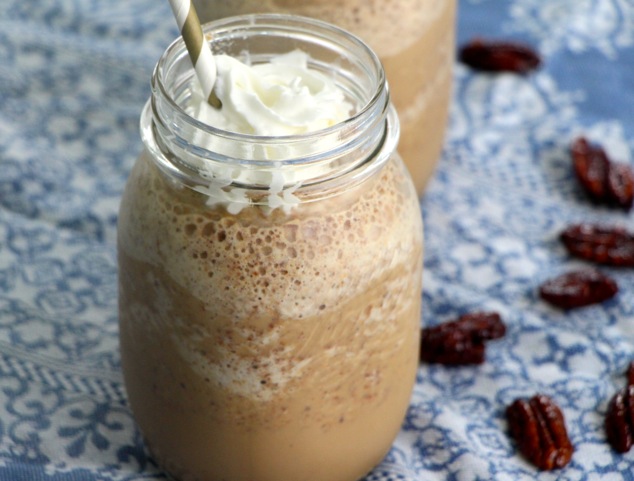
x: 270, y: 317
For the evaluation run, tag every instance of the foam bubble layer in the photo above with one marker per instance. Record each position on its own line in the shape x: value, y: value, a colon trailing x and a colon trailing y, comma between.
x: 247, y: 298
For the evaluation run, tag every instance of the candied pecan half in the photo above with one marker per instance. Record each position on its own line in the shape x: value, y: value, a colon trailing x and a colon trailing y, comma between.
x: 613, y: 246
x: 620, y: 185
x: 619, y: 420
x: 461, y: 342
x: 499, y: 56
x: 578, y: 289
x: 604, y: 181
x: 591, y: 167
x: 538, y: 427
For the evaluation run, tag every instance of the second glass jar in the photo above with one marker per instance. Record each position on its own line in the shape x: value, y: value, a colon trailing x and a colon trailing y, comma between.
x: 415, y: 41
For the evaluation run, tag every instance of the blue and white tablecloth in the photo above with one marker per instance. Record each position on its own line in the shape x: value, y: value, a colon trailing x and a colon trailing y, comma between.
x: 73, y: 78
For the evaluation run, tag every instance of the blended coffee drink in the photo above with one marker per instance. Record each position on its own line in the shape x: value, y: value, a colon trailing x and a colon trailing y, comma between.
x: 270, y: 258
x: 415, y: 41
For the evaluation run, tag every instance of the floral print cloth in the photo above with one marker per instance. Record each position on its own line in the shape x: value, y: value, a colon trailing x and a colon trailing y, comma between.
x: 73, y: 78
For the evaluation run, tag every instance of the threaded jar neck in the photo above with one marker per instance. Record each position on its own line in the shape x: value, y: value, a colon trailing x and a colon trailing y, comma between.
x: 306, y: 166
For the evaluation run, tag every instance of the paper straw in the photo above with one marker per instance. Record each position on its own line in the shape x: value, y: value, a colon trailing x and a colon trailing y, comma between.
x: 198, y: 48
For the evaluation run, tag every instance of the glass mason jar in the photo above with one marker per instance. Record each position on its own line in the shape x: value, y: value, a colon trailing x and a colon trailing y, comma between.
x: 270, y: 287
x: 415, y: 41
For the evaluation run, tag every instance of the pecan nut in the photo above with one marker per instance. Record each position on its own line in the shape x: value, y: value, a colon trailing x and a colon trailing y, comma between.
x: 539, y: 428
x: 591, y: 167
x: 619, y: 420
x: 620, y: 185
x: 578, y: 288
x: 499, y: 56
x: 604, y: 181
x: 613, y: 246
x: 461, y: 342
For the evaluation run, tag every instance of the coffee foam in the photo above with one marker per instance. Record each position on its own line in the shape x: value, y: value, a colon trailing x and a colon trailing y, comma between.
x: 389, y: 27
x: 250, y: 265
x: 311, y: 244
x: 267, y: 256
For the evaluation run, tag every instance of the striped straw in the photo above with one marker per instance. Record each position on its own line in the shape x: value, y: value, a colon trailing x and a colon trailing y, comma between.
x: 198, y: 48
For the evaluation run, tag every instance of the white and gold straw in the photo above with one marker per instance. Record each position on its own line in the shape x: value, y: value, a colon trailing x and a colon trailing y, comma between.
x: 197, y: 46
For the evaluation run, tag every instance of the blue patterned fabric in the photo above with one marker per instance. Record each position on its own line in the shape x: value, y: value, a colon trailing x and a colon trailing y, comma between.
x: 73, y: 78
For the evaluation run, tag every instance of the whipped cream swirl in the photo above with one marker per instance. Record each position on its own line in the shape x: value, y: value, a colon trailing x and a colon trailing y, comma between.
x: 278, y: 98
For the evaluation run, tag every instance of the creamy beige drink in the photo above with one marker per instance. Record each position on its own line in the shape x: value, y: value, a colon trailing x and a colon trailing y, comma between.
x: 261, y: 348
x: 415, y: 41
x: 270, y: 333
